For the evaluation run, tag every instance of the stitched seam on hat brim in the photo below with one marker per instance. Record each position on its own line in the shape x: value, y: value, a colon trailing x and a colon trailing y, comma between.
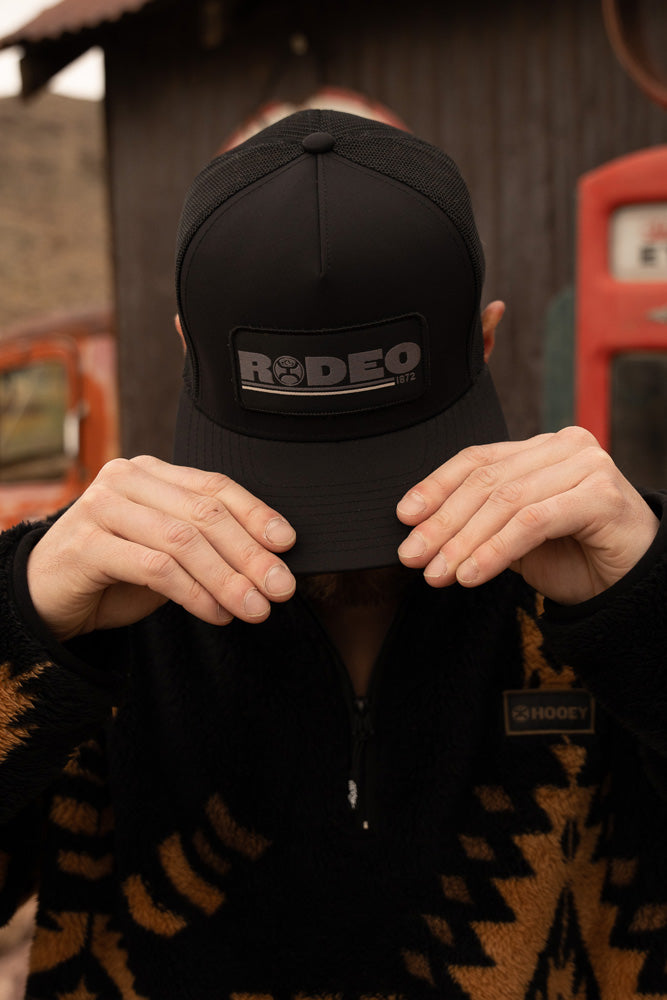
x: 358, y: 487
x: 418, y: 468
x: 243, y: 444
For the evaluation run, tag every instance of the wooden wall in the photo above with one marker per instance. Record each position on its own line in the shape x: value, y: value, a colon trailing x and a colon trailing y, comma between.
x: 525, y: 97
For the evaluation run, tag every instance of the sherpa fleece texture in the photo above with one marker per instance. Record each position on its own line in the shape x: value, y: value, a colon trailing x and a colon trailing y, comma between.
x: 206, y: 814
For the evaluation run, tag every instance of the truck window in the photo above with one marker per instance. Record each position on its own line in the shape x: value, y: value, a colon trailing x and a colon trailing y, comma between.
x: 33, y: 407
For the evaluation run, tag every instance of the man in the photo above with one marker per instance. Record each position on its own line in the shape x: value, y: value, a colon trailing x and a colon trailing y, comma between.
x: 391, y: 783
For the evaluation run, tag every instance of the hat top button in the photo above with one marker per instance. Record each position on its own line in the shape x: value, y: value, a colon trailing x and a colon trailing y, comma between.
x: 318, y: 142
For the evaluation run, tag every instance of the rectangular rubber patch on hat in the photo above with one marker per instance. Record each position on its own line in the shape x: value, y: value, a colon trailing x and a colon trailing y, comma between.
x: 532, y: 712
x: 330, y: 371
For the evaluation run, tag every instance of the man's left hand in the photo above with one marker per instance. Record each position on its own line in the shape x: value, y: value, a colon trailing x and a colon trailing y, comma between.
x: 554, y: 508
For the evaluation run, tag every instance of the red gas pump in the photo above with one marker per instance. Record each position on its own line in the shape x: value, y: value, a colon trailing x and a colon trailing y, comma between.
x: 621, y: 322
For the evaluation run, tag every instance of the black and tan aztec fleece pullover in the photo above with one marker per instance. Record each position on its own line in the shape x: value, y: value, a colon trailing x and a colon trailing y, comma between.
x: 208, y: 813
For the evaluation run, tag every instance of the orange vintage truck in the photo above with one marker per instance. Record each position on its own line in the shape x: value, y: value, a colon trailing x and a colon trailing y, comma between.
x: 58, y: 410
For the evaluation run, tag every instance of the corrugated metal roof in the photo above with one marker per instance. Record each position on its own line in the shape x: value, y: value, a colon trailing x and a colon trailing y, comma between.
x: 72, y: 17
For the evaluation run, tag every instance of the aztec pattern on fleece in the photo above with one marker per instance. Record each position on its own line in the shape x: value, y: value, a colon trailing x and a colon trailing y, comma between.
x: 197, y: 840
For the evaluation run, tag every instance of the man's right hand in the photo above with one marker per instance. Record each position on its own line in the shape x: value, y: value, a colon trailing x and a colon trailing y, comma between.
x: 146, y: 532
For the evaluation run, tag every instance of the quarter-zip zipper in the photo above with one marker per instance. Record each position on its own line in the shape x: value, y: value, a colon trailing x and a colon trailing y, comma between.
x: 362, y: 732
x: 362, y: 779
x: 361, y: 782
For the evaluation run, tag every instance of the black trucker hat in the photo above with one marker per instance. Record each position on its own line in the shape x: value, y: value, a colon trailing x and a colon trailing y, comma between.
x: 328, y: 277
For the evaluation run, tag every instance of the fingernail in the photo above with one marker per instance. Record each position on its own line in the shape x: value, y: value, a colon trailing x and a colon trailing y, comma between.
x: 437, y: 567
x: 255, y: 604
x: 467, y: 571
x: 413, y: 546
x: 279, y: 532
x: 279, y: 581
x: 224, y: 616
x: 412, y: 503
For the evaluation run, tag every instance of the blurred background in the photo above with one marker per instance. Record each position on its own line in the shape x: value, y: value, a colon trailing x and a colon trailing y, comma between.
x: 555, y: 114
x: 54, y: 250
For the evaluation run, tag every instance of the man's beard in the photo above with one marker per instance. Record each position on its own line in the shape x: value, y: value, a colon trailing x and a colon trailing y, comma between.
x: 355, y: 588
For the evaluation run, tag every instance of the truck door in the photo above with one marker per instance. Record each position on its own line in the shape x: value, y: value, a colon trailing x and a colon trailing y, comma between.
x: 40, y: 412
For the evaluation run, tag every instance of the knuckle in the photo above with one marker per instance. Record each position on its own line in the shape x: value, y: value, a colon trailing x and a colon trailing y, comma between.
x: 180, y: 534
x: 507, y: 495
x: 143, y: 461
x: 208, y: 511
x: 91, y: 497
x: 608, y: 484
x: 114, y: 469
x: 439, y: 477
x: 227, y: 581
x: 440, y: 519
x: 249, y: 553
x: 213, y: 483
x: 531, y: 517
x: 498, y: 546
x: 194, y: 591
x: 475, y: 454
x: 157, y: 565
x: 484, y: 477
x: 578, y: 437
x: 257, y: 512
x: 98, y: 497
x: 599, y: 460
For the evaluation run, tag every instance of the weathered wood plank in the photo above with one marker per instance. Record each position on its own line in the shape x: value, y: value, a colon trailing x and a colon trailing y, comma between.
x: 524, y: 98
